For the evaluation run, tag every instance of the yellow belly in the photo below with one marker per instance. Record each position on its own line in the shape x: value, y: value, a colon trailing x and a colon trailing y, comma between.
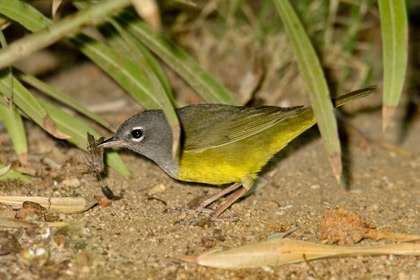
x: 242, y: 159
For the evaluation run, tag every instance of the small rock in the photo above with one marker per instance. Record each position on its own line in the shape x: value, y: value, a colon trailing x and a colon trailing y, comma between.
x: 71, y: 182
x: 159, y: 188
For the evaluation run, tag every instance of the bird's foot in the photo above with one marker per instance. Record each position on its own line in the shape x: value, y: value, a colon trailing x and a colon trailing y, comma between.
x: 185, y: 210
x: 202, y: 222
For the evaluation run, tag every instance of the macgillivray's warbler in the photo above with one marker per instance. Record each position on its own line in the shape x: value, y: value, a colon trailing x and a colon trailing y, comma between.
x: 220, y: 144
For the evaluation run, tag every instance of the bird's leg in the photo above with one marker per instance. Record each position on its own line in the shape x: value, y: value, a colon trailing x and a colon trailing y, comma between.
x: 203, y: 204
x: 227, y: 203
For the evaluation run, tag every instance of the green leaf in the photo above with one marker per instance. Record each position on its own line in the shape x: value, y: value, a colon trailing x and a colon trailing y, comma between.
x: 61, y: 97
x: 133, y: 48
x: 77, y: 129
x: 25, y: 14
x: 199, y: 79
x: 120, y: 68
x: 12, y: 174
x: 395, y: 48
x: 28, y: 104
x: 122, y: 41
x: 315, y: 82
x: 14, y: 125
x: 56, y: 31
x: 12, y: 120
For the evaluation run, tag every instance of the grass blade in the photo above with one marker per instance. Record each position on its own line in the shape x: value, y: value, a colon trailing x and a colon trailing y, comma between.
x: 12, y: 174
x: 28, y: 104
x: 120, y: 68
x: 122, y: 41
x: 164, y: 96
x: 315, y: 82
x: 14, y: 125
x: 77, y: 129
x: 63, y: 204
x: 199, y: 79
x: 57, y: 31
x: 61, y: 97
x: 395, y: 48
x: 25, y: 14
x: 13, y: 121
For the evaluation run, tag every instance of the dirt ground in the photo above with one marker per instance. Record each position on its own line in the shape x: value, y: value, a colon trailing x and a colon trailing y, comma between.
x: 134, y: 239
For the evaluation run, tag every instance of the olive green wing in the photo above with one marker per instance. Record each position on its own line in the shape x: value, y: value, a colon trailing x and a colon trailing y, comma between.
x: 208, y: 126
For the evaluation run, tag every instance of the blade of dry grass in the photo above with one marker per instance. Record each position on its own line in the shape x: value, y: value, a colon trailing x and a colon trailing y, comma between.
x: 14, y: 223
x: 148, y: 10
x: 63, y: 204
x: 286, y: 251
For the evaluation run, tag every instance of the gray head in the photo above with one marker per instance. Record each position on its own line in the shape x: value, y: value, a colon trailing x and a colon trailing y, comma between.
x: 147, y: 133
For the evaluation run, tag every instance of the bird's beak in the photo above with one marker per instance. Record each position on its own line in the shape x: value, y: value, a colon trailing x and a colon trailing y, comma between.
x: 112, y: 142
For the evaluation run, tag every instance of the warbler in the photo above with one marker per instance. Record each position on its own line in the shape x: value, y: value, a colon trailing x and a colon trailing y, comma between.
x: 220, y: 144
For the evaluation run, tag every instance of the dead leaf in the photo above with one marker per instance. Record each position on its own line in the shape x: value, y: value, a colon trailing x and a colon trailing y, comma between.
x: 5, y: 169
x: 55, y: 5
x: 148, y: 10
x: 8, y: 243
x: 13, y: 223
x: 95, y: 157
x: 339, y: 226
x: 31, y: 211
x: 52, y: 129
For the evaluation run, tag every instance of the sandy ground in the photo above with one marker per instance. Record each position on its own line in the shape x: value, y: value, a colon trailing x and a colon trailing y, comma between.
x: 134, y: 239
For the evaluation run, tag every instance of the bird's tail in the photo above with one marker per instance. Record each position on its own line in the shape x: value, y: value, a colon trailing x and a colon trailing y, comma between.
x: 343, y: 99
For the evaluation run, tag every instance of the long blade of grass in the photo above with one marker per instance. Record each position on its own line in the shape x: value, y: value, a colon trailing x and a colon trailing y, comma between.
x: 34, y: 21
x: 120, y: 68
x: 63, y: 204
x: 395, y: 42
x: 315, y: 82
x: 199, y: 79
x: 14, y: 125
x: 13, y: 121
x: 77, y: 129
x: 132, y: 46
x: 98, y: 52
x: 61, y: 97
x: 28, y: 104
x: 135, y: 50
x: 12, y: 174
x: 59, y: 30
x: 286, y: 251
x: 24, y: 13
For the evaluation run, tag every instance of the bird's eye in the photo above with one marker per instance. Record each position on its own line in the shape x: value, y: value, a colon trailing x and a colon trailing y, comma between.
x: 137, y: 133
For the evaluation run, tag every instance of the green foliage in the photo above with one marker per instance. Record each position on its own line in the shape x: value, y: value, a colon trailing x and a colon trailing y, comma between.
x: 324, y: 35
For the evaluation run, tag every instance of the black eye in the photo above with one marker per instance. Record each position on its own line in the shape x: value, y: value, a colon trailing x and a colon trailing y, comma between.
x: 137, y: 133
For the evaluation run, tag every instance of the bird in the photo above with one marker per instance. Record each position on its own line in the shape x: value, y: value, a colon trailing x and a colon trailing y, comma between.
x: 220, y: 144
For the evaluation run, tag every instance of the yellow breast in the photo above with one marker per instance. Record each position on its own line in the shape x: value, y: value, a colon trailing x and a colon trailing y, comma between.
x: 242, y: 159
